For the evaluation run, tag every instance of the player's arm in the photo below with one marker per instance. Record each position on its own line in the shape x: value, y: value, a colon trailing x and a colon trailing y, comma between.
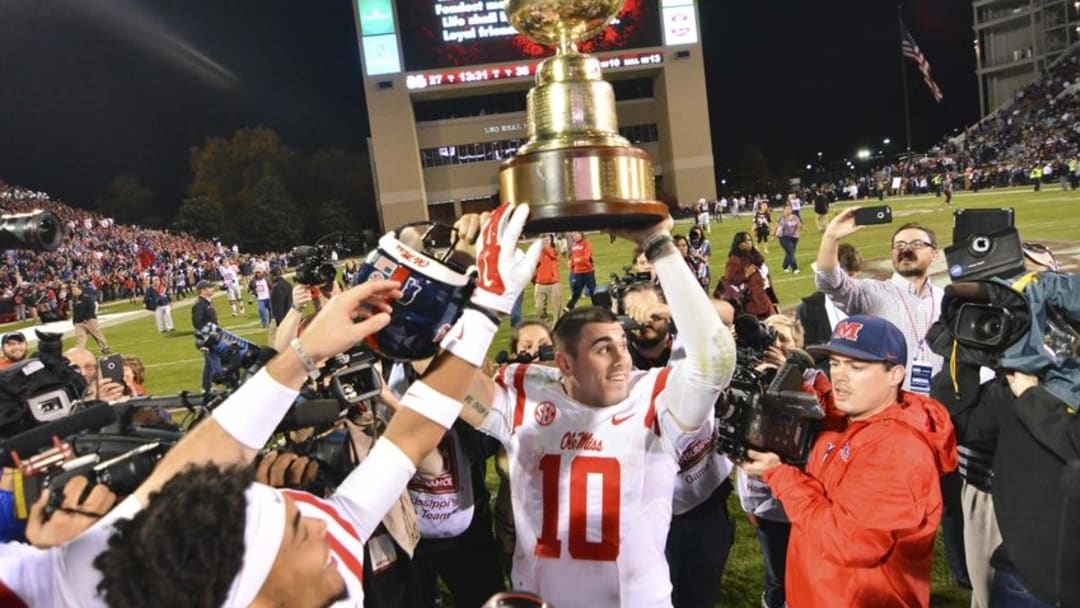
x: 696, y: 381
x: 244, y: 423
x: 432, y: 404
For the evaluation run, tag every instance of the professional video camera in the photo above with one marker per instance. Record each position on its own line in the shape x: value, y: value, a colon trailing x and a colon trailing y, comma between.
x: 37, y: 231
x: 239, y: 357
x: 985, y: 245
x: 610, y: 296
x: 39, y: 389
x: 99, y: 442
x: 545, y: 353
x: 312, y: 261
x: 752, y: 338
x: 769, y: 412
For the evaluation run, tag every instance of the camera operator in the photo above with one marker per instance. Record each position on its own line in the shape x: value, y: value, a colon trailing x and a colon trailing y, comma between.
x: 1018, y: 443
x: 650, y: 342
x: 203, y: 312
x: 14, y: 349
x: 765, y: 512
x: 281, y: 300
x: 865, y: 511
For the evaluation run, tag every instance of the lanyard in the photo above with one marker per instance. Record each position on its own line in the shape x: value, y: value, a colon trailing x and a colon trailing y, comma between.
x: 920, y: 341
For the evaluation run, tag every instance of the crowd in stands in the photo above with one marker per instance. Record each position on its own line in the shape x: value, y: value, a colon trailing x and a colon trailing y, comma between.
x: 114, y: 261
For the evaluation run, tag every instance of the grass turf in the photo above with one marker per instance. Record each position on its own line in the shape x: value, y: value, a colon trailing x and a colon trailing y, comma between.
x: 1049, y: 216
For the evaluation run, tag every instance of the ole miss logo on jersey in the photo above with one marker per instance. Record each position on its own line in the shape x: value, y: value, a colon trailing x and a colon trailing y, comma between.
x: 545, y: 413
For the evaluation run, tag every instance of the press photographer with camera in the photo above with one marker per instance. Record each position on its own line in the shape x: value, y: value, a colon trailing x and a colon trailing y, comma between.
x: 865, y: 511
x: 1018, y: 431
x: 202, y: 314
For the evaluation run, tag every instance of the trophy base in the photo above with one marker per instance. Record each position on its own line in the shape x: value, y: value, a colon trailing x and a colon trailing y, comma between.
x: 582, y: 188
x: 595, y: 215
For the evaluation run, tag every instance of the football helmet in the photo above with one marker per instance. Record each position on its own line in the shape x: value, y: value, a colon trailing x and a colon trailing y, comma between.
x: 434, y: 283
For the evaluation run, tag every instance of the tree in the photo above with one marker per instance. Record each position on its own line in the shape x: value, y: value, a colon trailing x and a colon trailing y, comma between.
x: 227, y: 171
x: 274, y: 226
x: 201, y: 216
x: 126, y: 200
x: 754, y: 174
x: 337, y: 184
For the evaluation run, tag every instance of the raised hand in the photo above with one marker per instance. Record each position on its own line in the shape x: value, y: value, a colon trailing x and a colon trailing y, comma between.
x: 349, y: 317
x: 504, y: 270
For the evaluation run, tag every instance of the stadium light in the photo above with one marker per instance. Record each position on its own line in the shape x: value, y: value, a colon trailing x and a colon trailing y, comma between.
x: 863, y: 154
x: 809, y: 166
x: 886, y: 141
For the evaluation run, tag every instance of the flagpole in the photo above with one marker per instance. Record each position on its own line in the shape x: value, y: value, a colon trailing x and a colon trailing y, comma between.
x: 903, y: 77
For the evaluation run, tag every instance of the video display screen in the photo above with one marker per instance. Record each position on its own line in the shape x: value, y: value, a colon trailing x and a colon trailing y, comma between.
x: 438, y: 34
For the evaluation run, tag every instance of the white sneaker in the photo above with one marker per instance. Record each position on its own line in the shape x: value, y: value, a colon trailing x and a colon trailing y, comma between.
x: 796, y: 271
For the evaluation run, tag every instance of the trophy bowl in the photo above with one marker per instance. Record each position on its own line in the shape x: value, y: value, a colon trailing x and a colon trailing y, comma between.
x: 575, y: 172
x: 558, y: 22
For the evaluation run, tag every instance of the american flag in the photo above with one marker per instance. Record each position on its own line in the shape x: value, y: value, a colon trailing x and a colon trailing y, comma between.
x: 912, y: 52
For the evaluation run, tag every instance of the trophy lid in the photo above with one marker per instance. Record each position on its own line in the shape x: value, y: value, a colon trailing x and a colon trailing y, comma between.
x: 561, y: 23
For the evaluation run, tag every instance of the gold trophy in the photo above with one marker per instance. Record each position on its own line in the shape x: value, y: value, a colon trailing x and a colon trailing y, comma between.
x: 576, y: 172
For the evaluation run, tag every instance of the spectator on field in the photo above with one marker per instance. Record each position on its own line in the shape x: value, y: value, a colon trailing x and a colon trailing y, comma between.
x: 84, y: 317
x: 743, y: 283
x: 157, y: 299
x: 547, y: 293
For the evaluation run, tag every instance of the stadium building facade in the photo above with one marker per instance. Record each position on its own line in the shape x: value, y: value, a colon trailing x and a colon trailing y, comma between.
x: 446, y: 83
x: 1015, y: 42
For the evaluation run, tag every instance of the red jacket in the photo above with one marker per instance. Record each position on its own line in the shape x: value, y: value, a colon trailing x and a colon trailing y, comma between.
x: 581, y: 260
x: 865, y: 512
x: 547, y: 272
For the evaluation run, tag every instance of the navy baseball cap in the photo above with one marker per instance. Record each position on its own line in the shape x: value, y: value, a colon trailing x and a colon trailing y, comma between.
x: 865, y: 338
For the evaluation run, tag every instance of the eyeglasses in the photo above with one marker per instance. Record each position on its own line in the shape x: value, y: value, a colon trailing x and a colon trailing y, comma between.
x: 913, y: 245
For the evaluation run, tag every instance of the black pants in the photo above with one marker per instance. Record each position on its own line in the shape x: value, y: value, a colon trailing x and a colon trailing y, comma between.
x: 698, y: 545
x: 468, y: 565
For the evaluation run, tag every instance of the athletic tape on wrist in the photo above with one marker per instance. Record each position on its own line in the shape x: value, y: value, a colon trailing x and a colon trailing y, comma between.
x: 431, y: 404
x: 253, y: 412
x: 470, y: 338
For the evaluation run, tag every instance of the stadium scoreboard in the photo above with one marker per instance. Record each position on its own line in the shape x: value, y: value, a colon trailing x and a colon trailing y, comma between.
x: 446, y: 43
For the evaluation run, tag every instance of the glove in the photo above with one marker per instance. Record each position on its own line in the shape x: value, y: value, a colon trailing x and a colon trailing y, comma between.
x: 504, y: 270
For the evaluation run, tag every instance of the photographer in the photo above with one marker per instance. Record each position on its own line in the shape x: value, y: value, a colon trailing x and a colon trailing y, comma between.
x: 202, y: 313
x: 865, y: 511
x: 281, y: 301
x: 1018, y: 443
x: 651, y: 341
x: 97, y: 387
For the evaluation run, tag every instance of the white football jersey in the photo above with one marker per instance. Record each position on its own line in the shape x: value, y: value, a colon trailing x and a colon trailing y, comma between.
x: 591, y: 487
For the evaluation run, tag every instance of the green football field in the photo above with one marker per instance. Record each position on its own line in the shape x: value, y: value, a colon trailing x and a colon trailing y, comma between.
x: 1049, y: 217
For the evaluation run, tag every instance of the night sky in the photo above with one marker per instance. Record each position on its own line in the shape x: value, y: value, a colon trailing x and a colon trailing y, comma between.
x: 90, y: 89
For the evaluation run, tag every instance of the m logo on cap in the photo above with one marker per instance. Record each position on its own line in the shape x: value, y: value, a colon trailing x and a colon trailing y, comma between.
x: 847, y: 330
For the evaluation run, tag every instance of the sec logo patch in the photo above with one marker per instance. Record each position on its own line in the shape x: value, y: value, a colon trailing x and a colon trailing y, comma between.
x: 545, y: 413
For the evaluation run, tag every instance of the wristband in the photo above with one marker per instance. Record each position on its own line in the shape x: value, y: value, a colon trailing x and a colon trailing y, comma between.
x: 654, y: 246
x: 431, y: 404
x: 309, y: 365
x: 253, y: 412
x: 470, y: 338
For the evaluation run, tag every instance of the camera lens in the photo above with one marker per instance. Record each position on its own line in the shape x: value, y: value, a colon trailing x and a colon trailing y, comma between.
x: 980, y: 245
x: 988, y: 327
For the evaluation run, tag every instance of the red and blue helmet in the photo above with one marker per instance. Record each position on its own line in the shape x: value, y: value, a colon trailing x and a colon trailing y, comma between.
x: 434, y: 295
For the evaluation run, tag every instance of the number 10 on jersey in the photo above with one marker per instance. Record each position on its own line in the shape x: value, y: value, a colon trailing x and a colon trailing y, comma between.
x: 580, y: 547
